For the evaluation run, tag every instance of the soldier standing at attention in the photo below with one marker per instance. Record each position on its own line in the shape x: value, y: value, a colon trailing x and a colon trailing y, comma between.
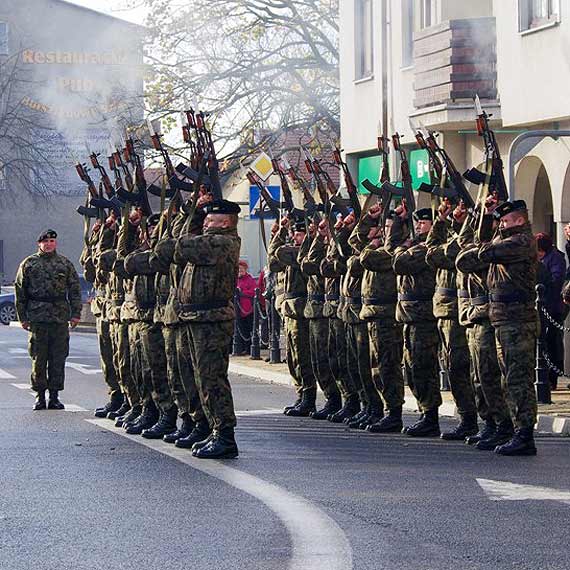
x: 48, y: 301
x: 513, y: 262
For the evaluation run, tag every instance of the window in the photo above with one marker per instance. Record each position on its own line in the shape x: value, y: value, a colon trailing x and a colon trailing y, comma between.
x: 363, y: 39
x: 428, y: 15
x: 3, y: 38
x: 407, y: 33
x: 538, y: 13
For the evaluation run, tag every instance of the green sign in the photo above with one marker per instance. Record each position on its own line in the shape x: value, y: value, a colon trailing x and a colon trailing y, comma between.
x: 368, y: 167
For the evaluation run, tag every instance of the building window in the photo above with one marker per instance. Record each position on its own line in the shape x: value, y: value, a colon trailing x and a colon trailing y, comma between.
x: 407, y: 33
x: 538, y: 13
x: 428, y: 15
x: 363, y: 39
x: 3, y: 38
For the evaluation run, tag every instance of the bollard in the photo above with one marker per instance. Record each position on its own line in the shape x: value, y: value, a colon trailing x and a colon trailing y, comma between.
x: 542, y: 382
x: 236, y: 343
x: 255, y: 351
x: 274, y: 331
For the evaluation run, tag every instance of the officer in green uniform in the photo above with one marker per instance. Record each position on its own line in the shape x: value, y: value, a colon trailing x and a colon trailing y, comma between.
x: 48, y: 302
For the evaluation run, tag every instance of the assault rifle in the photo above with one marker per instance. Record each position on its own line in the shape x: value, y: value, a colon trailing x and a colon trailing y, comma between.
x: 311, y: 206
x: 107, y: 184
x: 273, y: 205
x: 380, y: 191
x: 292, y: 211
x: 93, y: 212
x: 350, y: 186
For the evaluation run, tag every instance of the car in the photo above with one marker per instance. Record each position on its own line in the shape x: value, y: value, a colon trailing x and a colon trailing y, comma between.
x: 7, y: 308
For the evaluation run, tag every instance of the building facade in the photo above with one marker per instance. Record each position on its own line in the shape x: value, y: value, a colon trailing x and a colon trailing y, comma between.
x: 79, y: 84
x: 435, y: 55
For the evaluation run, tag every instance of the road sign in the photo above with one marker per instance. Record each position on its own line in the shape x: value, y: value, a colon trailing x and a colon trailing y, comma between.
x: 255, y: 202
x: 262, y: 166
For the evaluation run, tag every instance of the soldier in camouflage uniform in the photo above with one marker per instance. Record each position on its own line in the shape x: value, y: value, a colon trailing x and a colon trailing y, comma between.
x: 416, y: 287
x: 206, y: 294
x: 48, y: 302
x: 442, y: 249
x: 283, y: 257
x: 513, y: 262
x: 474, y: 315
x: 310, y: 256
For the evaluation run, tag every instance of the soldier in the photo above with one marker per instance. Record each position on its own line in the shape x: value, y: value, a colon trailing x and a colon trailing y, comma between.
x: 48, y: 302
x: 283, y: 257
x: 416, y: 287
x: 513, y: 262
x: 206, y: 303
x: 442, y: 249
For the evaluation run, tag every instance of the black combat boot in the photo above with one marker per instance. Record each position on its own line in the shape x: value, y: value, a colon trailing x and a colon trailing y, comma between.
x: 466, y: 427
x: 146, y: 420
x: 428, y: 426
x: 354, y: 420
x: 54, y: 402
x: 503, y: 434
x: 200, y: 432
x: 287, y: 408
x: 350, y: 408
x: 221, y: 446
x: 375, y: 414
x: 406, y: 428
x: 40, y: 401
x: 332, y: 405
x: 129, y: 417
x: 522, y: 443
x: 122, y: 411
x: 306, y: 406
x: 111, y: 406
x: 184, y: 430
x: 392, y: 423
x: 166, y: 424
x: 489, y: 428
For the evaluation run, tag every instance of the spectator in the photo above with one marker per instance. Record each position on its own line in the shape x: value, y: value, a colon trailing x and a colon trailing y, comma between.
x: 246, y: 285
x: 553, y: 260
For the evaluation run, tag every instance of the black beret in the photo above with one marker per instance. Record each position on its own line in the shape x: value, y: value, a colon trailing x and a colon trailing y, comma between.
x: 47, y: 234
x: 222, y: 207
x: 153, y: 220
x: 299, y: 226
x: 508, y: 207
x: 424, y: 215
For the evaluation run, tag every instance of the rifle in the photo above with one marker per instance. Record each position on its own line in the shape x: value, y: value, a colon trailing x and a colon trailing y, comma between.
x: 434, y: 160
x: 350, y: 186
x: 311, y: 206
x: 273, y: 205
x: 107, y: 184
x: 205, y: 139
x: 286, y: 191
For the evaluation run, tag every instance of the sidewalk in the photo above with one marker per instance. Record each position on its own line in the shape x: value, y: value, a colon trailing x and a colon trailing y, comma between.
x: 552, y: 419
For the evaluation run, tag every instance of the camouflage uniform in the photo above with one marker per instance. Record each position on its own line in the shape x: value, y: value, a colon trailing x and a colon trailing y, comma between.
x: 442, y: 249
x: 48, y: 296
x: 416, y: 288
x: 513, y: 261
x: 283, y: 258
x: 206, y: 295
x: 310, y: 256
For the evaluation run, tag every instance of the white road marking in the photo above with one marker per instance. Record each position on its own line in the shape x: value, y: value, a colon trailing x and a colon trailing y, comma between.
x: 73, y: 408
x: 83, y: 368
x: 17, y: 351
x: 6, y: 375
x: 506, y: 491
x: 264, y: 412
x: 22, y: 386
x: 317, y: 540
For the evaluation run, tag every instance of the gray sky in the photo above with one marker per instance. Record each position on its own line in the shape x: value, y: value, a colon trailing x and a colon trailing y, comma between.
x: 114, y: 8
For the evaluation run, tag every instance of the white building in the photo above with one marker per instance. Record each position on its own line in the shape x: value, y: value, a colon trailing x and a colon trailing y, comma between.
x: 438, y: 54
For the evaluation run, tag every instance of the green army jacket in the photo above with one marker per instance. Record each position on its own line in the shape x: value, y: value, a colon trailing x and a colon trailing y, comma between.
x: 140, y: 292
x: 310, y: 262
x: 333, y: 268
x: 47, y: 289
x: 276, y: 267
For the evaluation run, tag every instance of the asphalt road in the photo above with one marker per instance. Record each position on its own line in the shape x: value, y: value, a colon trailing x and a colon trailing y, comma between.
x: 303, y: 494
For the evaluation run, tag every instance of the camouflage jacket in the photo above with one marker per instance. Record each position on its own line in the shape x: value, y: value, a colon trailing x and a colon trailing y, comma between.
x: 47, y: 289
x: 442, y: 249
x: 416, y: 279
x: 276, y: 267
x: 208, y: 282
x: 140, y: 292
x: 333, y: 268
x: 310, y: 263
x: 512, y: 277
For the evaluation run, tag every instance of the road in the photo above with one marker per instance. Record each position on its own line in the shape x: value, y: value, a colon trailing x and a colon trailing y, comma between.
x: 303, y: 494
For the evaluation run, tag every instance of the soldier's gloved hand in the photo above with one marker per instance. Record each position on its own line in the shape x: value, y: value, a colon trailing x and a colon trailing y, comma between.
x: 73, y: 323
x: 25, y: 325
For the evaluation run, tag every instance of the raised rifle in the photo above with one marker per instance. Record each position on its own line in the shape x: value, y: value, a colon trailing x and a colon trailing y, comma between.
x: 205, y: 138
x: 273, y: 205
x: 311, y: 206
x: 286, y: 191
x: 107, y: 184
x: 350, y: 185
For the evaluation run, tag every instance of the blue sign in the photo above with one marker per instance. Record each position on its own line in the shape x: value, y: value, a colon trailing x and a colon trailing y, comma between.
x: 255, y: 202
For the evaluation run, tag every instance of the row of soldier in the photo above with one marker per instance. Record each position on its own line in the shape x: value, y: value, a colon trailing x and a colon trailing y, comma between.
x: 370, y: 301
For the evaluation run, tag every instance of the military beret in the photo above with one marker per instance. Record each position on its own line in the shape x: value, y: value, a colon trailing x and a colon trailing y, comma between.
x: 47, y: 234
x: 153, y: 220
x: 423, y: 215
x: 222, y: 207
x: 299, y: 226
x: 508, y: 207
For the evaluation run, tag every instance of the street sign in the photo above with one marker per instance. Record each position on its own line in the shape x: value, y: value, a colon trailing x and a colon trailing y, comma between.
x: 262, y: 166
x: 255, y: 202
x: 419, y: 167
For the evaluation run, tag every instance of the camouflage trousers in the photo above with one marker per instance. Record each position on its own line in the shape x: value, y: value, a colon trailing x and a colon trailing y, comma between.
x: 107, y: 361
x: 48, y: 346
x: 139, y: 373
x: 489, y: 394
x: 122, y: 361
x: 338, y: 362
x: 210, y: 347
x: 420, y: 364
x: 298, y: 357
x: 154, y: 364
x: 358, y: 356
x: 455, y: 356
x: 385, y: 337
x: 181, y: 373
x: 516, y: 352
x: 318, y: 344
